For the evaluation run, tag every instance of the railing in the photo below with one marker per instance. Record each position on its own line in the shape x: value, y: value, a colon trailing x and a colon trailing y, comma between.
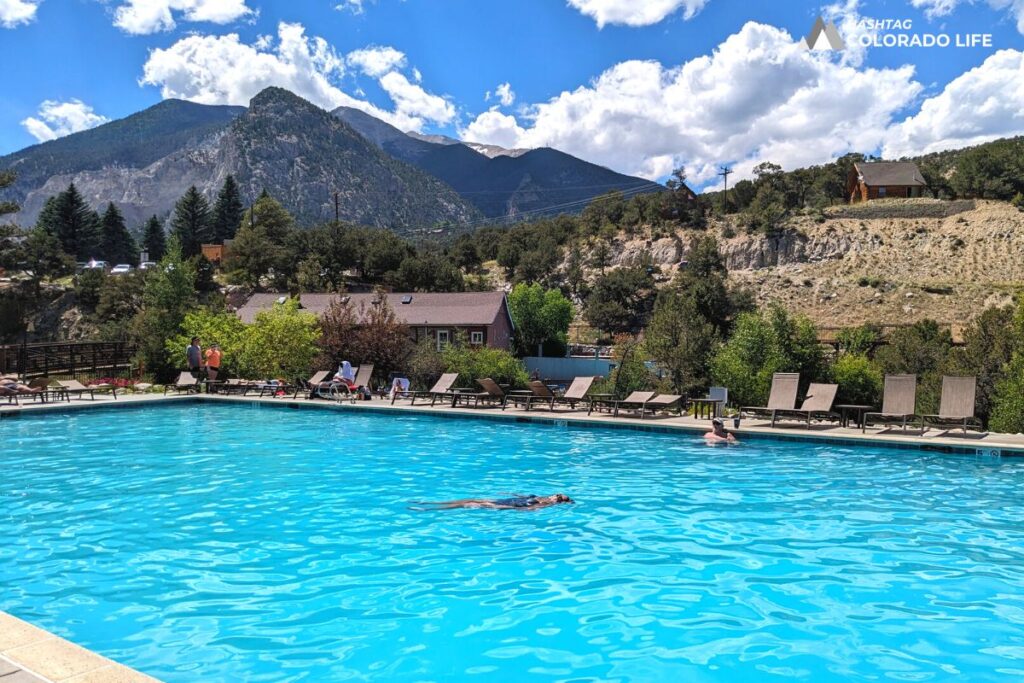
x: 67, y: 359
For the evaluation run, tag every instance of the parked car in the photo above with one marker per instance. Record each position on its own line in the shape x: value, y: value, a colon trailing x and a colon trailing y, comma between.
x: 102, y: 265
x: 146, y: 265
x: 121, y: 269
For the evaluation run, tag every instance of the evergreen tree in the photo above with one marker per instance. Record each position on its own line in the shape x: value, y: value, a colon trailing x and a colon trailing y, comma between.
x: 192, y: 222
x: 227, y: 211
x: 68, y: 218
x: 117, y: 244
x: 154, y: 241
x: 6, y: 180
x: 259, y: 248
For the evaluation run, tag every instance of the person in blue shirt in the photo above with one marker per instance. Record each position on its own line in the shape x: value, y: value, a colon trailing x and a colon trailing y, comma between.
x: 194, y: 356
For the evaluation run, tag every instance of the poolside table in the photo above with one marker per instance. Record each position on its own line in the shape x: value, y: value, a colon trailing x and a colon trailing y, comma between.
x: 599, y: 401
x: 518, y: 397
x: 854, y: 410
x: 705, y: 407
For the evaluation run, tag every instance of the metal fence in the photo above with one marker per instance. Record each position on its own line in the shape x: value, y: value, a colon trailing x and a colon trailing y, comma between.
x: 68, y: 359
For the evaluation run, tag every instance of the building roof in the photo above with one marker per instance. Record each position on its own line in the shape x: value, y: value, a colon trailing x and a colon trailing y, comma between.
x: 456, y: 309
x: 890, y: 173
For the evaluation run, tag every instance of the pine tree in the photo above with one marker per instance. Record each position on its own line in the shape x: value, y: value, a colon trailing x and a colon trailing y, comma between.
x: 68, y: 218
x: 259, y: 248
x: 117, y: 244
x: 154, y: 241
x: 228, y: 211
x: 192, y: 223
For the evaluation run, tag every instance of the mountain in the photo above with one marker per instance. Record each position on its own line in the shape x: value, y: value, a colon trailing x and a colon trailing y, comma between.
x: 303, y: 155
x: 499, y: 182
x: 296, y: 151
x: 487, y: 150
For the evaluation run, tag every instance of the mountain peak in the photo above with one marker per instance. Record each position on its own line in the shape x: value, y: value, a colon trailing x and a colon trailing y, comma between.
x: 273, y: 95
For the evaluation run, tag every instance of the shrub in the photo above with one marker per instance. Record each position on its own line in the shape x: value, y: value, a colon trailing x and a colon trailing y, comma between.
x: 424, y: 365
x: 280, y: 343
x: 88, y: 286
x: 761, y: 345
x: 473, y: 363
x: 859, y: 380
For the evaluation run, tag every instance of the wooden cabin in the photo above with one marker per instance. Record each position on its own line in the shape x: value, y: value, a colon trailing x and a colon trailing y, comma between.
x: 882, y: 179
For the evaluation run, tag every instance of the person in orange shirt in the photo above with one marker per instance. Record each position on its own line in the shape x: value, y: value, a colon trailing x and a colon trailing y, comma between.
x: 213, y: 356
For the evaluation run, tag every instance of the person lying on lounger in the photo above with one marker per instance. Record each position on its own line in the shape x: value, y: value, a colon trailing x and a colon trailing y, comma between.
x: 518, y: 502
x: 13, y: 384
x: 718, y: 433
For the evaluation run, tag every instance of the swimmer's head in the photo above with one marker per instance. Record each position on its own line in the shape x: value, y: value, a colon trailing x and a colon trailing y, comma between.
x: 562, y: 498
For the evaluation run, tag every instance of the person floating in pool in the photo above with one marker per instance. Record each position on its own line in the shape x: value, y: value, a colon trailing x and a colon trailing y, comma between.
x: 517, y: 502
x: 718, y: 433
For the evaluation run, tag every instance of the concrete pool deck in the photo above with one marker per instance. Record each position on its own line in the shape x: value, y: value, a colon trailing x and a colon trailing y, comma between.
x: 932, y: 439
x: 29, y: 654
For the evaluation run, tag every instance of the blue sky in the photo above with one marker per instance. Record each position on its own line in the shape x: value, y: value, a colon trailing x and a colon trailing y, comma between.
x: 638, y: 85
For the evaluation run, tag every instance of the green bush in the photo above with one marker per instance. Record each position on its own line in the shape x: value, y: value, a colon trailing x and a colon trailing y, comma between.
x: 859, y: 380
x: 473, y: 363
x: 762, y: 344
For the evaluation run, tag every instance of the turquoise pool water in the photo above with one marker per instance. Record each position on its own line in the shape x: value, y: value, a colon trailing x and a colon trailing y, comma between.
x: 208, y: 542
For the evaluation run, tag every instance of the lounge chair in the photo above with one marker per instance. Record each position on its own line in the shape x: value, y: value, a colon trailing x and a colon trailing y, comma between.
x: 899, y: 400
x: 312, y: 385
x: 442, y: 389
x: 956, y: 406
x: 817, y: 404
x: 185, y: 383
x: 492, y: 394
x: 575, y: 394
x: 238, y: 386
x: 12, y: 395
x: 340, y: 391
x: 635, y: 398
x: 73, y: 386
x: 50, y: 389
x: 782, y: 396
x: 647, y: 402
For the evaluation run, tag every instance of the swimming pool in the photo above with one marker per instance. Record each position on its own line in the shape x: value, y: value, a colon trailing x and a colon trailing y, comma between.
x: 232, y: 542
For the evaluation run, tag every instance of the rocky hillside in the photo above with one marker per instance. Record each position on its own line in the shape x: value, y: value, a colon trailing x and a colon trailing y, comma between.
x: 886, y: 262
x: 281, y: 143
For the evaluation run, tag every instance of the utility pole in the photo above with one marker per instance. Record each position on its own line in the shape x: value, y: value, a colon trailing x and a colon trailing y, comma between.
x: 724, y: 171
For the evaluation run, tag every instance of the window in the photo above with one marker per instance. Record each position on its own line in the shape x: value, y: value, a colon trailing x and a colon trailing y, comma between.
x: 476, y: 338
x: 443, y: 337
x: 881, y: 191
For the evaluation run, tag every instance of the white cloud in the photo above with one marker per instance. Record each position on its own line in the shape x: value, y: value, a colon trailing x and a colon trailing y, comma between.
x: 140, y: 17
x: 636, y: 12
x: 353, y: 6
x: 494, y: 128
x: 16, y: 12
x: 376, y: 61
x: 224, y: 70
x: 761, y: 95
x: 505, y: 94
x: 57, y: 119
x: 414, y: 104
x: 941, y: 8
x: 982, y: 104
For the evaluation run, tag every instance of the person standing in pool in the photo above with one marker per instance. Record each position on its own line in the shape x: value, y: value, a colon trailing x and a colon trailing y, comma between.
x: 520, y: 502
x: 718, y: 433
